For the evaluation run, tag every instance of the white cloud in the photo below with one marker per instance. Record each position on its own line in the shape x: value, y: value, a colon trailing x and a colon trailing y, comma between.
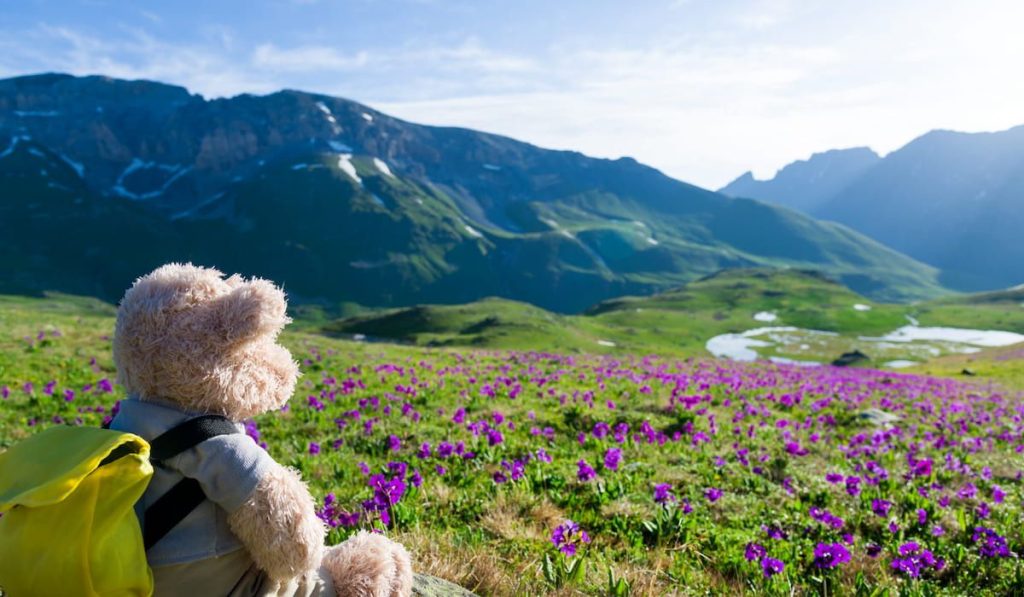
x: 754, y: 87
x: 134, y: 55
x: 307, y: 59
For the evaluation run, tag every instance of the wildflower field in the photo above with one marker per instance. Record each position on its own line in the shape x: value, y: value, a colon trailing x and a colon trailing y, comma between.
x: 530, y: 473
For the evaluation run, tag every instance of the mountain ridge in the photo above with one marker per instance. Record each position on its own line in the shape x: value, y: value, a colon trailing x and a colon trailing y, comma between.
x: 344, y: 203
x: 952, y: 199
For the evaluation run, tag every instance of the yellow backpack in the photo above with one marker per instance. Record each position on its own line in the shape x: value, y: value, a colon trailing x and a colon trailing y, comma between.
x: 67, y: 521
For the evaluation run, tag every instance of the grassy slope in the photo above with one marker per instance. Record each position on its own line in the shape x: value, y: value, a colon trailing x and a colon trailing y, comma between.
x: 461, y: 527
x: 1003, y: 365
x: 678, y: 321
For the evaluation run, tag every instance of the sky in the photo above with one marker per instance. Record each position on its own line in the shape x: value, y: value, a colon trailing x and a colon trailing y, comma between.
x: 703, y: 90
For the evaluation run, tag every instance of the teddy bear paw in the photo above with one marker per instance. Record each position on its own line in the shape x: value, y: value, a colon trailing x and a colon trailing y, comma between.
x: 370, y: 565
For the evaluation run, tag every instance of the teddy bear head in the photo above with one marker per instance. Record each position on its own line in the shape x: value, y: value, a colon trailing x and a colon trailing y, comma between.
x: 188, y: 335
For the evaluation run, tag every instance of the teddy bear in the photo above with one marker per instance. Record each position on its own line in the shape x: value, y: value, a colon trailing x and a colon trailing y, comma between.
x: 188, y: 342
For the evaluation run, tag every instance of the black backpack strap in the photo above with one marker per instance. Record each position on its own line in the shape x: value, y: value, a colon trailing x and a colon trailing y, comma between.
x: 187, y: 435
x: 179, y: 501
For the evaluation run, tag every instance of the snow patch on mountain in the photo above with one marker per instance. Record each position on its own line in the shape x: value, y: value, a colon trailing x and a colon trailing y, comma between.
x: 345, y: 165
x: 327, y: 112
x: 195, y: 209
x: 176, y: 171
x: 76, y: 166
x: 558, y: 228
x: 14, y: 144
x: 383, y: 167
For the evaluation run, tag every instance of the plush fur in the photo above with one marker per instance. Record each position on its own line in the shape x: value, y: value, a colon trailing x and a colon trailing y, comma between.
x: 188, y: 335
x: 370, y: 565
x: 279, y: 526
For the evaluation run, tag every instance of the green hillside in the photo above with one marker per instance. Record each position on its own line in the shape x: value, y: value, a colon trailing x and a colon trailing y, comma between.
x: 340, y: 203
x: 639, y: 451
x: 681, y: 321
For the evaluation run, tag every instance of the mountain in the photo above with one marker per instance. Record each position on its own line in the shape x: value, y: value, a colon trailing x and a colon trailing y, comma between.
x: 102, y: 179
x: 952, y: 200
x: 805, y: 184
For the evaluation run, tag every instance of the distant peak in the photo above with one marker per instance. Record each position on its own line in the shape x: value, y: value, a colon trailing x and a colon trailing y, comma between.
x: 740, y: 185
x: 859, y: 152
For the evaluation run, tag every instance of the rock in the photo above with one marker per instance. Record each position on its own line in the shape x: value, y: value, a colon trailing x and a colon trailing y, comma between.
x: 431, y: 586
x: 877, y: 416
x: 848, y: 359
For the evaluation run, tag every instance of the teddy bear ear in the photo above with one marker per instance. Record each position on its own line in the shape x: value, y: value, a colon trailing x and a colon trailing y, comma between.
x: 251, y: 309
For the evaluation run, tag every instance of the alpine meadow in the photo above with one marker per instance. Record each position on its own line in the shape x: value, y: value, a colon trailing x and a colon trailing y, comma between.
x: 680, y: 298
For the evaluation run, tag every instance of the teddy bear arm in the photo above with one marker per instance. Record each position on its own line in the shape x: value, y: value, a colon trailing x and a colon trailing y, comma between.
x: 279, y: 527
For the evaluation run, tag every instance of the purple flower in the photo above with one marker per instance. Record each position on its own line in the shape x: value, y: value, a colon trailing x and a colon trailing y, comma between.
x: 909, y: 548
x: 712, y: 494
x: 881, y: 507
x: 774, y: 532
x: 394, y: 443
x: 992, y: 545
x: 907, y: 566
x: 314, y: 448
x: 771, y: 567
x: 612, y: 458
x: 830, y: 555
x: 968, y: 491
x: 386, y: 492
x: 913, y: 560
x: 584, y: 472
x: 921, y: 468
x: 753, y: 552
x: 568, y: 537
x: 663, y: 493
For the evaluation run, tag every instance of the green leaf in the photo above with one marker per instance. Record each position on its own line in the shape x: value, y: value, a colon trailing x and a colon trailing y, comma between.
x: 549, y: 570
x: 577, y: 571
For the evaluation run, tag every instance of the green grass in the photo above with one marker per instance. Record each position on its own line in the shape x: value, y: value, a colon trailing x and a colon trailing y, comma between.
x: 494, y: 538
x: 681, y: 321
x: 1004, y: 366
